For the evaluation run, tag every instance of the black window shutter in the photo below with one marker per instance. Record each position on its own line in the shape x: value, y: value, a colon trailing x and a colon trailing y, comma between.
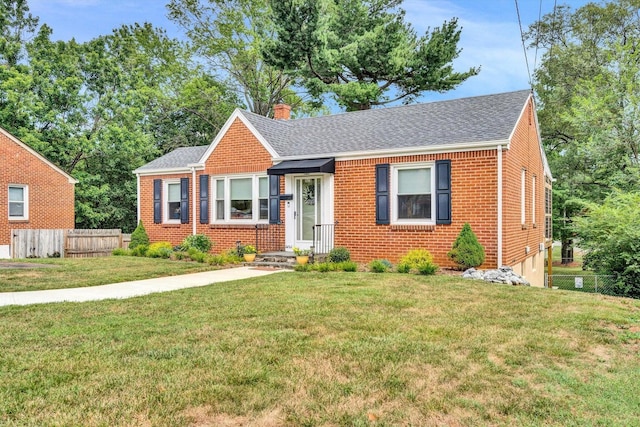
x: 443, y: 192
x: 157, y: 201
x: 382, y: 194
x: 184, y: 200
x: 274, y: 199
x: 204, y: 199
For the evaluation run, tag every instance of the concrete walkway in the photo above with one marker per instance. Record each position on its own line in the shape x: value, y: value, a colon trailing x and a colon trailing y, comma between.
x: 132, y: 289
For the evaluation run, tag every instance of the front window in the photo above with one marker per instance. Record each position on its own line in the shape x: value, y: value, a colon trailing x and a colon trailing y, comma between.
x: 219, y: 207
x: 18, y: 208
x: 413, y: 201
x: 263, y: 197
x: 243, y: 198
x: 173, y: 201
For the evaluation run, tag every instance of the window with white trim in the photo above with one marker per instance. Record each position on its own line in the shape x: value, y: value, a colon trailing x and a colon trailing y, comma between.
x: 18, y: 202
x: 412, y: 200
x: 241, y: 198
x: 172, y: 201
x: 523, y: 213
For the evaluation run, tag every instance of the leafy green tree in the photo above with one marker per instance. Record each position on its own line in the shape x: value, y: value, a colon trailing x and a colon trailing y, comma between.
x: 362, y: 51
x: 16, y: 26
x: 586, y: 87
x: 610, y: 235
x: 466, y: 251
x: 229, y: 34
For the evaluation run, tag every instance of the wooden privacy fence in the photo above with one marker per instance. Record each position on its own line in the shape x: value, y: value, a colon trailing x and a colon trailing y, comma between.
x: 64, y: 243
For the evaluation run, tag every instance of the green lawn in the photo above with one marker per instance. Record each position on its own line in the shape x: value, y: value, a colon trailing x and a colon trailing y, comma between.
x: 313, y: 349
x: 80, y: 272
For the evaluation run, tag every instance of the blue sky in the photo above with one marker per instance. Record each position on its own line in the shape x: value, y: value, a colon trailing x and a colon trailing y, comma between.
x: 490, y: 31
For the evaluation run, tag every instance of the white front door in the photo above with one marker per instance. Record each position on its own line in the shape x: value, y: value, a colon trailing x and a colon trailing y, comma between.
x: 307, y: 209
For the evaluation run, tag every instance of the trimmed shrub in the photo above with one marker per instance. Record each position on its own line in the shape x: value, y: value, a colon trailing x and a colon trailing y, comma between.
x: 466, y: 251
x: 339, y: 254
x: 416, y: 257
x: 160, y: 250
x: 198, y: 241
x: 233, y: 257
x: 121, y: 252
x: 139, y: 237
x: 427, y: 269
x: 403, y: 268
x: 418, y: 260
x: 348, y: 266
x: 324, y: 267
x: 140, y: 250
x: 379, y: 265
x: 302, y: 267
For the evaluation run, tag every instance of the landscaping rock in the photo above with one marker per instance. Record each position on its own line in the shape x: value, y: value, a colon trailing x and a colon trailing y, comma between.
x: 501, y: 275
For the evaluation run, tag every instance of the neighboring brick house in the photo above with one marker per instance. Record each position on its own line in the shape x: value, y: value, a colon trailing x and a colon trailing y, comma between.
x: 379, y: 182
x: 34, y: 194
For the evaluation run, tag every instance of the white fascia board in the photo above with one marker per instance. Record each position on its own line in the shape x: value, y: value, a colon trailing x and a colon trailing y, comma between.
x: 237, y: 114
x: 436, y: 149
x: 545, y: 162
x: 520, y: 116
x: 174, y: 171
x: 71, y: 179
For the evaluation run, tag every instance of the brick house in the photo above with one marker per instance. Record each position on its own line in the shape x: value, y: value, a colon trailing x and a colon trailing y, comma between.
x: 34, y: 194
x: 379, y: 182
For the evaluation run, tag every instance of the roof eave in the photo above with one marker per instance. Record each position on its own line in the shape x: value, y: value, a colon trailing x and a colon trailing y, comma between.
x: 435, y: 149
x: 162, y: 171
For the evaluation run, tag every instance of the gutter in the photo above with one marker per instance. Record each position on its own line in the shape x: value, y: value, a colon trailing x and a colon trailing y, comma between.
x: 193, y: 200
x: 499, y: 254
x: 138, y: 198
x: 435, y: 149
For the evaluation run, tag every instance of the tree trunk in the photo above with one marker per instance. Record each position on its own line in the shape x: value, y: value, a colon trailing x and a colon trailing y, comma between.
x: 567, y: 251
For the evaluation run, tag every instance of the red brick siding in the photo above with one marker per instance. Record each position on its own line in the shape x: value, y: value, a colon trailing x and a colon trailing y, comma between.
x: 51, y: 195
x: 238, y: 151
x: 474, y: 200
x: 524, y: 152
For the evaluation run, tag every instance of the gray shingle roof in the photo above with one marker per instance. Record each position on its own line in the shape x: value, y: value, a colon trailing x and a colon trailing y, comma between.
x: 178, y: 158
x: 466, y: 120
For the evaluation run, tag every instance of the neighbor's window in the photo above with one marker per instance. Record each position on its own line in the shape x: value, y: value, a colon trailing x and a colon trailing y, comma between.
x: 173, y: 200
x: 412, y: 201
x: 243, y: 198
x: 18, y: 202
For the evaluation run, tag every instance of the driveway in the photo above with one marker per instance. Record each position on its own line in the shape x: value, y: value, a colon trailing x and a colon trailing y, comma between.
x: 133, y: 289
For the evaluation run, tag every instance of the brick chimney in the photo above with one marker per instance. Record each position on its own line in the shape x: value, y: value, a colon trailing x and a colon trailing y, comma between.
x: 282, y: 112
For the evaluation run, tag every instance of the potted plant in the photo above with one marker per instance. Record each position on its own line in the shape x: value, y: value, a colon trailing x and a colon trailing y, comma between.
x: 249, y: 253
x: 302, y: 255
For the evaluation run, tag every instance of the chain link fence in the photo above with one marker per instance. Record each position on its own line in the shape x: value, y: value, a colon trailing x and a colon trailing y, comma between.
x: 585, y: 283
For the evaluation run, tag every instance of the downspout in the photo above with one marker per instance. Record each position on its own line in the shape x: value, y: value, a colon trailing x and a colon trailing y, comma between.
x: 138, y: 197
x: 193, y: 201
x: 499, y: 255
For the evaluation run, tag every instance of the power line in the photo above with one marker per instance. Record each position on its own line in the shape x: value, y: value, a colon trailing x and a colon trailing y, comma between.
x: 524, y: 49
